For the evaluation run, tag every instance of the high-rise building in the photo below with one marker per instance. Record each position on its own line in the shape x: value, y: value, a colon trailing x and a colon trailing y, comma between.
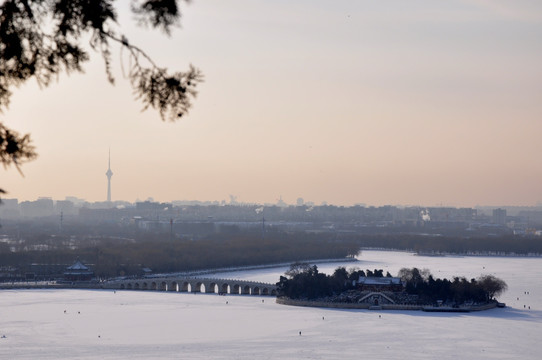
x: 109, y: 173
x: 499, y: 216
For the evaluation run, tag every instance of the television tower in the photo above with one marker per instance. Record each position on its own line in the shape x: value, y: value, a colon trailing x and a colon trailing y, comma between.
x: 109, y: 173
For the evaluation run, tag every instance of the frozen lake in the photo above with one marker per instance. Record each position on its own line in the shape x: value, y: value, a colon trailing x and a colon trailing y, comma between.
x: 143, y: 325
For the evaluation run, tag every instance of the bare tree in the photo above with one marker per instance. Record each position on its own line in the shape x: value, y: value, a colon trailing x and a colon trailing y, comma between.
x: 297, y: 268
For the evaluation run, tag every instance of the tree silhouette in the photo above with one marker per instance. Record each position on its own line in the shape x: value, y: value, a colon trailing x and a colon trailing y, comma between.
x: 42, y: 38
x: 492, y: 286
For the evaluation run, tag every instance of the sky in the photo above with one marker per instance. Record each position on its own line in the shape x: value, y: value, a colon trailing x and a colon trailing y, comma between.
x: 431, y: 103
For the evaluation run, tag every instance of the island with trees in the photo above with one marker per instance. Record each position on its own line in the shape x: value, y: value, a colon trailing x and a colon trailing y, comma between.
x: 411, y: 289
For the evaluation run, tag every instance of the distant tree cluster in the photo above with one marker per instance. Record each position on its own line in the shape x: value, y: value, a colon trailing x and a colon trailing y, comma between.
x: 110, y: 257
x: 309, y: 283
x: 507, y: 244
x: 458, y: 291
x: 303, y: 281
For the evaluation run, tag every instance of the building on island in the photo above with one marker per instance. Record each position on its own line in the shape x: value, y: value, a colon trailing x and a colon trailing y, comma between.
x: 379, y: 284
x: 379, y: 291
x: 78, y: 272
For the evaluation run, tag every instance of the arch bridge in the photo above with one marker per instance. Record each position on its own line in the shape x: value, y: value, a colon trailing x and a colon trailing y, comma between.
x: 194, y: 285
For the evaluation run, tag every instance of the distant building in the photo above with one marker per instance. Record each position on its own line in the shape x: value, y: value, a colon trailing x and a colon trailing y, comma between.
x: 78, y: 272
x: 281, y: 203
x: 66, y: 207
x: 152, y: 206
x: 499, y: 216
x: 532, y: 217
x: 44, y: 206
x: 75, y: 200
x: 9, y: 208
x: 369, y: 283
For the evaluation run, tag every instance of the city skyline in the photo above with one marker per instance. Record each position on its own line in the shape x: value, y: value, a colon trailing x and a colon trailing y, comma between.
x: 307, y: 203
x: 345, y: 102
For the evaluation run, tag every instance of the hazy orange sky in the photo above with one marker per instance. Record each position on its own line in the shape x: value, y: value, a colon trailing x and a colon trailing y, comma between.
x: 378, y: 102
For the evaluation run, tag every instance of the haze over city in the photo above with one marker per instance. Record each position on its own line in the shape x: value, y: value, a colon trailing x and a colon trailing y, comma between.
x: 420, y: 103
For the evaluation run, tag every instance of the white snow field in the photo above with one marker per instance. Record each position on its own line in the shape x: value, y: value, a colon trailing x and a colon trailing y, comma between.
x: 159, y: 325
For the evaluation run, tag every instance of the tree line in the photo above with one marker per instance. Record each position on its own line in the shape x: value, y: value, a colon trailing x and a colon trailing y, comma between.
x: 506, y: 244
x: 457, y: 291
x: 109, y: 257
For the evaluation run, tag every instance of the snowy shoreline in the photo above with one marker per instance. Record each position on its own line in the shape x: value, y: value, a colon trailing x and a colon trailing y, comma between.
x: 445, y: 253
x: 251, y: 267
x: 367, y: 306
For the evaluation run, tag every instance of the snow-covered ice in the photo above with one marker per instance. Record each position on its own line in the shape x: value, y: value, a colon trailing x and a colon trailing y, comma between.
x: 146, y: 325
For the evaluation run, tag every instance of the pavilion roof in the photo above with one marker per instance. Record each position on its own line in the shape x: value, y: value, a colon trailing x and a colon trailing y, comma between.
x: 78, y: 266
x: 369, y: 280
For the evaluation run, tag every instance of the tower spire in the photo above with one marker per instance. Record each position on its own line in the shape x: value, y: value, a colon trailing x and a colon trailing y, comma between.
x: 109, y: 173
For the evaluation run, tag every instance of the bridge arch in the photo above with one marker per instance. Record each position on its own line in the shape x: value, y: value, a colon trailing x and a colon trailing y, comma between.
x: 205, y: 285
x: 163, y: 286
x: 224, y: 289
x: 173, y: 286
x: 211, y: 288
